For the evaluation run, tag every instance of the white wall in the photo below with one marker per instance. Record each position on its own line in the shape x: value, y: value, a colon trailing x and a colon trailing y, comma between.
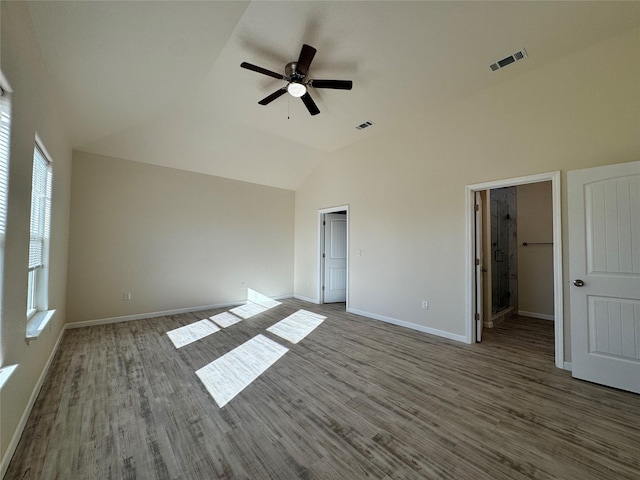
x: 535, y: 262
x: 34, y: 110
x: 172, y: 238
x: 406, y: 187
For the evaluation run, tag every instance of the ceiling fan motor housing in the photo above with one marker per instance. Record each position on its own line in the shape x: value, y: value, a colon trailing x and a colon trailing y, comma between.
x: 292, y: 74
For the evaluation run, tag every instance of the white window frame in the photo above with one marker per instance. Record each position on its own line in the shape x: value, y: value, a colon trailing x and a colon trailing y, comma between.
x: 38, y: 276
x: 32, y: 294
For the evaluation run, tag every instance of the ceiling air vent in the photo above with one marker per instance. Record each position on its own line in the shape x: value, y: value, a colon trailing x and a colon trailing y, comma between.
x: 364, y: 125
x: 519, y: 55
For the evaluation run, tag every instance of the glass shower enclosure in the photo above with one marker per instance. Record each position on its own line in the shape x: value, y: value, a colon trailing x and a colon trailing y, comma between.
x: 503, y: 249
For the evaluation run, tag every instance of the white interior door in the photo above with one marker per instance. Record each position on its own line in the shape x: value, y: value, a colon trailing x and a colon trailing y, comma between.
x: 335, y: 258
x: 604, y: 261
x: 478, y: 266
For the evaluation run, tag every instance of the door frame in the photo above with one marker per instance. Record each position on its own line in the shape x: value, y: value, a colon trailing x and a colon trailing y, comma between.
x: 321, y: 213
x: 558, y: 301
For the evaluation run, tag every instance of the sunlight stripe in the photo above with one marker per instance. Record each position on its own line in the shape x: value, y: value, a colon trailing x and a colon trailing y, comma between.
x: 227, y: 376
x: 225, y: 319
x: 190, y: 333
x: 249, y: 310
x: 297, y: 326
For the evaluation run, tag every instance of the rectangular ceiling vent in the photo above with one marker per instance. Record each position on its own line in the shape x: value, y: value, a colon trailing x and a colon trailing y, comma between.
x: 519, y: 55
x: 364, y: 125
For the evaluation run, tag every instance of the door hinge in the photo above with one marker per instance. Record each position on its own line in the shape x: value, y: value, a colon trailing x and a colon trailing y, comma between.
x: 477, y: 316
x: 477, y: 262
x: 476, y: 207
x: 323, y: 288
x: 323, y: 255
x: 324, y: 223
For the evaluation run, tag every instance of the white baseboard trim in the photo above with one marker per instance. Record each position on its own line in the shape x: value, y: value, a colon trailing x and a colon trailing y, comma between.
x: 307, y: 299
x: 15, y: 439
x: 567, y: 366
x: 412, y: 326
x: 542, y: 316
x: 142, y: 316
x: 283, y: 297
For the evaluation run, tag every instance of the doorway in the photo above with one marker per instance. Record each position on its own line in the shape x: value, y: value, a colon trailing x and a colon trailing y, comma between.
x: 498, y: 250
x: 333, y: 258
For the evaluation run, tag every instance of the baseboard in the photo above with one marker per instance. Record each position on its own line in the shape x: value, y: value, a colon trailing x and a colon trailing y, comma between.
x: 306, y: 299
x: 15, y: 439
x: 567, y: 366
x: 141, y: 316
x: 177, y: 311
x: 283, y: 297
x: 412, y: 326
x: 542, y: 316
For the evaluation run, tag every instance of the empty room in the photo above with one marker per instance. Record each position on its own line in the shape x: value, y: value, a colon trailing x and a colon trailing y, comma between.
x: 315, y: 240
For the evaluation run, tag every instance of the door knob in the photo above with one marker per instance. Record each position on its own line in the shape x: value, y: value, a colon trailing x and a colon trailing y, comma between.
x: 578, y: 283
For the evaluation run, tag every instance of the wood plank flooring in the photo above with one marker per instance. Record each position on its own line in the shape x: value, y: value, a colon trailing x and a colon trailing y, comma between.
x: 356, y: 399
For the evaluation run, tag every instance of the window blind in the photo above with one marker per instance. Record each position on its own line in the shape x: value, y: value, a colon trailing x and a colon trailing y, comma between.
x: 40, y: 208
x: 5, y: 125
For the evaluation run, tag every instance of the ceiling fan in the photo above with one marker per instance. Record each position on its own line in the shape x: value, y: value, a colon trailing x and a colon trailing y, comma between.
x: 297, y: 82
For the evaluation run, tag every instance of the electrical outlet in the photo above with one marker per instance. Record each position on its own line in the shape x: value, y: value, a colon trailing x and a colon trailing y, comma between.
x: 126, y: 296
x: 425, y: 304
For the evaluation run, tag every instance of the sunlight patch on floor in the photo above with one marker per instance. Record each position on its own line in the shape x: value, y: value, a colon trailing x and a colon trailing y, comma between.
x: 190, y: 333
x: 256, y: 303
x: 225, y: 319
x: 297, y: 326
x: 228, y: 375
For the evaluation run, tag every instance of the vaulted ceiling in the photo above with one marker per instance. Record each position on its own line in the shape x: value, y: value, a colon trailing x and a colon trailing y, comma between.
x: 160, y: 82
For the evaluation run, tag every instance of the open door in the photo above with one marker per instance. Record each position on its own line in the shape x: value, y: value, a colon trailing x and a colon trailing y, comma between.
x: 478, y: 265
x: 334, y: 258
x: 604, y: 261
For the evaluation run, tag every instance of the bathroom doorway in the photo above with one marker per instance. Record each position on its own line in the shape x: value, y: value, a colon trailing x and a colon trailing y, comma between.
x: 509, y: 256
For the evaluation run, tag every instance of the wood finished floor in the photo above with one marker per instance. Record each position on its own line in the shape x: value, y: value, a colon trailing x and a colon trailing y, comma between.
x: 356, y: 399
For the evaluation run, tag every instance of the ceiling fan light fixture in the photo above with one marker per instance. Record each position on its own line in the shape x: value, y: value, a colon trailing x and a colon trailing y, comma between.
x: 296, y: 89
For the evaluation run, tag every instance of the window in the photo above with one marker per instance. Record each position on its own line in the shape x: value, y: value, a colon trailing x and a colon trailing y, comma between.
x: 39, y: 233
x: 5, y: 125
x: 5, y: 128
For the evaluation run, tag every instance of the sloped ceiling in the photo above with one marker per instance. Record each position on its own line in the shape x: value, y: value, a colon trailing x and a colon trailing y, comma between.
x: 161, y: 83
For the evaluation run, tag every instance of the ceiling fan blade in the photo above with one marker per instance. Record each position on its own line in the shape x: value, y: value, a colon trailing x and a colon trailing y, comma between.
x: 306, y: 55
x: 337, y: 84
x: 264, y: 71
x: 273, y: 96
x: 310, y: 104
